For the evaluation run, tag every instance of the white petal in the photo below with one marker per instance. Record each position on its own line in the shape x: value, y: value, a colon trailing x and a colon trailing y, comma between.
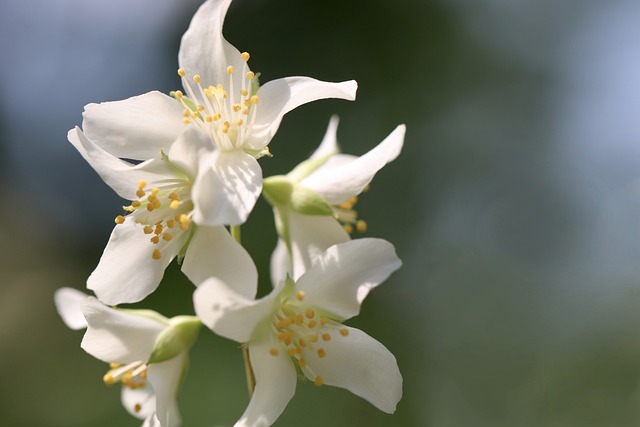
x: 359, y: 364
x: 139, y: 402
x: 310, y: 236
x: 127, y: 273
x: 275, y: 383
x: 68, y: 302
x: 226, y: 190
x: 135, y: 128
x: 278, y: 97
x: 205, y: 51
x: 280, y: 263
x: 151, y: 421
x: 329, y: 144
x: 122, y: 176
x: 230, y: 314
x: 188, y: 149
x: 339, y: 183
x: 115, y: 336
x: 340, y: 279
x: 165, y: 378
x: 213, y: 252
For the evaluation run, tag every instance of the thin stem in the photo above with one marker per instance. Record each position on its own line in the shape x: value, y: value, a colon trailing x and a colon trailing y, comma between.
x: 251, y: 379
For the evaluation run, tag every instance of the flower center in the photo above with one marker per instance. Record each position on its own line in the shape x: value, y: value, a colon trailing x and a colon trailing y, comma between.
x: 226, y: 113
x: 348, y: 217
x: 133, y: 375
x: 302, y: 332
x: 163, y: 211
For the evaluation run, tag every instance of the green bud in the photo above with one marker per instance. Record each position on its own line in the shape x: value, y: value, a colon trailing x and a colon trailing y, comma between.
x: 277, y: 190
x: 308, y: 202
x: 176, y: 338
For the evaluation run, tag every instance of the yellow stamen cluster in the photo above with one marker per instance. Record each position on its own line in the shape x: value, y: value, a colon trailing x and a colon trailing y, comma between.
x: 162, y: 212
x: 133, y: 375
x: 225, y: 112
x: 296, y: 327
x: 345, y: 213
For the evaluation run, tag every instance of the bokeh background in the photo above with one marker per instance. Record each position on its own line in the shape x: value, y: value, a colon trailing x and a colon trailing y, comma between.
x: 515, y: 204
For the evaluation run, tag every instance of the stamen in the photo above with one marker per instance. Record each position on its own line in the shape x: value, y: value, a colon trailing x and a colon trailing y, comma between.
x: 361, y: 226
x: 156, y: 254
x: 344, y: 332
x: 230, y: 69
x: 245, y: 56
x: 300, y: 295
x: 318, y: 381
x: 119, y: 219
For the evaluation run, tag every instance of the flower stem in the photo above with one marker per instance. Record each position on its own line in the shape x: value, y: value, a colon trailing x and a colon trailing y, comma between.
x: 251, y: 380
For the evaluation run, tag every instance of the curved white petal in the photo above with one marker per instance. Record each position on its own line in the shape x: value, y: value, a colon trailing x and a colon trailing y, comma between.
x: 139, y: 402
x: 230, y: 314
x: 135, y: 128
x: 188, y: 149
x: 213, y: 252
x: 203, y: 49
x: 122, y: 176
x: 226, y: 190
x: 329, y: 144
x: 340, y: 279
x: 114, y: 336
x: 275, y: 383
x: 68, y: 302
x: 280, y: 96
x: 166, y: 378
x: 280, y: 265
x: 127, y: 272
x: 359, y: 364
x: 339, y: 183
x: 151, y: 421
x: 310, y: 236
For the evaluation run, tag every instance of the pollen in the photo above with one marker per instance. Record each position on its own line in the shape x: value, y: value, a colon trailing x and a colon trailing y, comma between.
x: 245, y: 56
x: 361, y: 226
x: 309, y: 313
x: 156, y: 254
x: 348, y: 228
x: 321, y: 352
x: 324, y: 320
x: 300, y: 295
x: 274, y: 351
x: 196, y: 78
x: 108, y: 378
x: 119, y: 219
x: 167, y: 236
x: 182, y: 72
x: 302, y: 362
x: 175, y: 204
x: 326, y: 337
x: 250, y: 75
x: 344, y: 332
x: 255, y: 99
x: 230, y: 69
x: 318, y: 381
x: 147, y: 229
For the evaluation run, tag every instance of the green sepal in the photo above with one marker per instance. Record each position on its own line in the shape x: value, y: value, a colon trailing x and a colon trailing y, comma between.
x: 308, y: 202
x: 277, y: 190
x: 178, y: 337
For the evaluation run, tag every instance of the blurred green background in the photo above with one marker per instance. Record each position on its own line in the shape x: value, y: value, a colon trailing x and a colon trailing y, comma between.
x: 515, y: 204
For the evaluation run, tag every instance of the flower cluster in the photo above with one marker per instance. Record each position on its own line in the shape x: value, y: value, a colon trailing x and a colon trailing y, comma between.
x: 187, y: 164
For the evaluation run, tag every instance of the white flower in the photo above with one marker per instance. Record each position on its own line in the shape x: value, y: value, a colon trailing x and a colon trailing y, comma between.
x: 147, y: 353
x: 224, y: 102
x: 158, y: 225
x: 314, y: 202
x: 298, y: 327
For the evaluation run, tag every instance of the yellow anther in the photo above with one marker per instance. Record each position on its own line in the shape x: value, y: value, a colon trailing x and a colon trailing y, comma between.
x: 299, y: 319
x: 175, y: 204
x: 302, y: 362
x: 246, y: 102
x: 298, y: 350
x: 170, y: 223
x: 302, y: 343
x: 324, y: 320
x: 182, y: 72
x: 217, y: 116
x: 155, y: 240
x: 361, y: 226
x: 114, y: 365
x: 184, y: 221
x: 173, y: 196
x: 155, y: 191
x: 244, y: 92
x: 167, y: 236
x: 150, y: 207
x: 237, y: 107
x: 239, y: 122
x: 313, y: 337
x: 186, y: 121
x: 147, y: 229
x: 230, y: 69
x: 250, y: 75
x: 309, y: 313
x: 194, y: 115
x: 274, y: 351
x: 108, y: 378
x: 209, y: 118
x: 291, y: 352
x: 137, y: 408
x: 196, y: 78
x: 326, y: 337
x: 142, y: 183
x: 158, y: 230
x: 178, y: 94
x: 156, y: 204
x: 201, y: 107
x: 140, y: 192
x: 136, y: 203
x: 119, y: 219
x: 245, y: 56
x: 318, y: 381
x: 255, y: 99
x: 344, y: 332
x: 300, y: 295
x: 321, y: 352
x: 156, y: 254
x: 348, y: 228
x: 186, y: 112
x: 245, y: 111
x: 312, y: 324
